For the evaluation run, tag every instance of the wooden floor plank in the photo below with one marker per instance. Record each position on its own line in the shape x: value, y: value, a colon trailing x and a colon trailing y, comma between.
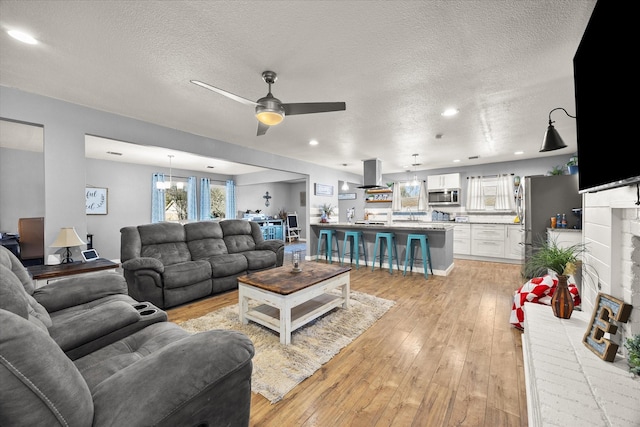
x: 443, y: 355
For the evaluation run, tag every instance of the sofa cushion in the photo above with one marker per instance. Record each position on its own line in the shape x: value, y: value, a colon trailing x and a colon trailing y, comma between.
x: 259, y: 260
x: 40, y: 385
x: 165, y: 241
x: 186, y: 273
x: 15, y: 299
x: 205, y: 239
x: 227, y: 265
x: 10, y: 261
x: 238, y: 235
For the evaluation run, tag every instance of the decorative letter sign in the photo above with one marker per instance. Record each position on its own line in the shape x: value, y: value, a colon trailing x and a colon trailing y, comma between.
x: 607, y: 308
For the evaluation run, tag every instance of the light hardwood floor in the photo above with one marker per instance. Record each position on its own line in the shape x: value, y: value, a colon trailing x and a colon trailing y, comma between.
x: 443, y: 355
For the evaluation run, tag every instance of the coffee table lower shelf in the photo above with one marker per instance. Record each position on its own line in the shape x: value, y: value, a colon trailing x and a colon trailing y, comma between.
x: 269, y: 316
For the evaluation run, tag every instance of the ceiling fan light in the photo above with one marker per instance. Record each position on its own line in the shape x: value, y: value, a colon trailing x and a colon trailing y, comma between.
x: 269, y: 118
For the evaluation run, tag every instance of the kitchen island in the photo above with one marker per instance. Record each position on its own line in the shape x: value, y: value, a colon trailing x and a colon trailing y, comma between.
x: 440, y: 237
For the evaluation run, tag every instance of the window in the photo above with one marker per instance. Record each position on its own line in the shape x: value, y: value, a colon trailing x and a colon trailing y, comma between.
x: 175, y: 205
x: 409, y: 195
x: 218, y: 200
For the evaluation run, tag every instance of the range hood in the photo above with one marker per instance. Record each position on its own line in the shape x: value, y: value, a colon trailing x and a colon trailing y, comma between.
x: 372, y: 174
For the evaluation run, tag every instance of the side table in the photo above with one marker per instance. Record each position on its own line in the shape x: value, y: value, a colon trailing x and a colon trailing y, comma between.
x: 43, y: 274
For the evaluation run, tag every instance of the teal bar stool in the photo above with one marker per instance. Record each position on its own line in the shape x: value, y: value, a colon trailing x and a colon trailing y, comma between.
x: 329, y: 236
x: 422, y: 239
x: 388, y: 239
x: 354, y: 238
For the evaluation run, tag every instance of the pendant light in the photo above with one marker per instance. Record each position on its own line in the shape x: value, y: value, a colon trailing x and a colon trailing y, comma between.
x: 552, y: 140
x: 415, y: 175
x: 167, y: 186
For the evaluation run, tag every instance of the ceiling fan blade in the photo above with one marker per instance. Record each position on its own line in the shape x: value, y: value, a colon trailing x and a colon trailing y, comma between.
x: 225, y: 93
x: 313, y: 107
x: 262, y: 128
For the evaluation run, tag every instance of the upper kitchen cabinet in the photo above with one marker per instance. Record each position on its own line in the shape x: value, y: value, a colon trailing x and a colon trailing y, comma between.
x: 444, y: 181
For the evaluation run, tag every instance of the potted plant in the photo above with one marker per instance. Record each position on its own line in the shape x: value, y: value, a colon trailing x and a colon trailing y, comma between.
x: 327, y: 211
x: 633, y: 359
x: 572, y: 165
x: 563, y: 261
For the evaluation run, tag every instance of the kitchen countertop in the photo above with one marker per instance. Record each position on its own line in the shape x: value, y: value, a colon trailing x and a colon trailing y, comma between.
x: 436, y: 226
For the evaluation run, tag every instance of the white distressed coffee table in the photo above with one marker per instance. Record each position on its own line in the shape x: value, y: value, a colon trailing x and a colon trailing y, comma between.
x: 290, y: 300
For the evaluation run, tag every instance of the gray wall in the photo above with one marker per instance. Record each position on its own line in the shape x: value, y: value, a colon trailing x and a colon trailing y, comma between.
x: 21, y: 187
x: 66, y: 171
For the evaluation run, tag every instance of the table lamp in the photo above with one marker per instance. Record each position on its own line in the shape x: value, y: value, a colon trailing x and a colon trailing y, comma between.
x: 66, y: 239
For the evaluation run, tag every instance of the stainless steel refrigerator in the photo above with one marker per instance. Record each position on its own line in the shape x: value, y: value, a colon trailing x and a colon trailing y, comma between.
x: 544, y: 197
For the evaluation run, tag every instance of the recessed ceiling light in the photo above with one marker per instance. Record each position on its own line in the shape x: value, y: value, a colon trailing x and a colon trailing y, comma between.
x: 450, y: 112
x: 313, y: 142
x: 517, y: 153
x: 456, y: 161
x: 23, y: 37
x: 210, y: 167
x: 114, y: 153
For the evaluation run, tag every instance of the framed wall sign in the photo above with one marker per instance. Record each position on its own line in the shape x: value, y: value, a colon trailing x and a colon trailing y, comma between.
x: 96, y: 200
x: 323, y: 190
x: 346, y: 196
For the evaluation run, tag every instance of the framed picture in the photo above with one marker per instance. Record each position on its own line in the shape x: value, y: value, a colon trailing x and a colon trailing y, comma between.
x: 96, y: 200
x: 303, y: 199
x: 346, y: 196
x: 323, y: 190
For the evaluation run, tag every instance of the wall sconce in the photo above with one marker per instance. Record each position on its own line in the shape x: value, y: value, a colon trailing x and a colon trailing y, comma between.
x: 66, y: 239
x: 552, y: 140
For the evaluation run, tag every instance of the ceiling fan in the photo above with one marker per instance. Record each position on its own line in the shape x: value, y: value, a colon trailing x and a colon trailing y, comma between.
x: 270, y: 110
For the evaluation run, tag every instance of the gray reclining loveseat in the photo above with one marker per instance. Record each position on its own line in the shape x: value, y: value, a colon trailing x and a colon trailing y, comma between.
x: 169, y: 264
x: 158, y: 374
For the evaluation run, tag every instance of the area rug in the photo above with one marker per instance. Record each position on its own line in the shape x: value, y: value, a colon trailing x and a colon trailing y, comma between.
x: 278, y: 368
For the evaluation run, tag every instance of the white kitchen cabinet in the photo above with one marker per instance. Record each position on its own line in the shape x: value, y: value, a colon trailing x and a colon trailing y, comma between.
x: 564, y: 237
x: 488, y: 240
x: 514, y: 242
x: 462, y: 239
x: 444, y: 181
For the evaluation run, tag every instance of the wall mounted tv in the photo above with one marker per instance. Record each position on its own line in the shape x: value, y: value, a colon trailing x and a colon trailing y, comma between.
x: 604, y: 79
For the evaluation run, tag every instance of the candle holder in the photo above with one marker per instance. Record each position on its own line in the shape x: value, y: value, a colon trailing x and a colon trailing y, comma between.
x: 295, y: 260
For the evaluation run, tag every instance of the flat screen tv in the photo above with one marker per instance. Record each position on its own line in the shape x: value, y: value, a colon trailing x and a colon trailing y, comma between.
x: 605, y: 83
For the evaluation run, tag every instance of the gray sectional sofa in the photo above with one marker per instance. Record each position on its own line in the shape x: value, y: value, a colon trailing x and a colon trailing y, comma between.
x: 155, y: 373
x: 169, y: 264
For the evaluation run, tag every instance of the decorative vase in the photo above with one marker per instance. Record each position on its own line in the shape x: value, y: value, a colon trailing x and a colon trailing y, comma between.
x: 562, y: 300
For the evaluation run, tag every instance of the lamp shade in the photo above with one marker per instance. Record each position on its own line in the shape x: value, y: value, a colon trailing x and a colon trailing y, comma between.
x: 552, y: 140
x: 67, y: 238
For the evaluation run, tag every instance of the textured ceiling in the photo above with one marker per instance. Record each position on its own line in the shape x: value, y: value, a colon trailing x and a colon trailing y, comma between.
x: 396, y: 64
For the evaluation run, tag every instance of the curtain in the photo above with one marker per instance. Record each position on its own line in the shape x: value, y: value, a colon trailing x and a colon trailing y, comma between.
x: 205, y: 199
x: 192, y: 201
x: 504, y: 195
x: 475, y: 200
x: 231, y: 200
x: 423, y: 204
x: 157, y: 198
x: 396, y: 201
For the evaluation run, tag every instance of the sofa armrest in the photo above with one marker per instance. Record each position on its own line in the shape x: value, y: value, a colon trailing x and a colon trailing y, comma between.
x: 144, y: 263
x: 72, y: 291
x: 206, y: 380
x: 272, y: 245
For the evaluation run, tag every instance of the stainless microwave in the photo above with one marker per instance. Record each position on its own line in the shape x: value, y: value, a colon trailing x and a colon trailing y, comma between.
x: 444, y: 197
